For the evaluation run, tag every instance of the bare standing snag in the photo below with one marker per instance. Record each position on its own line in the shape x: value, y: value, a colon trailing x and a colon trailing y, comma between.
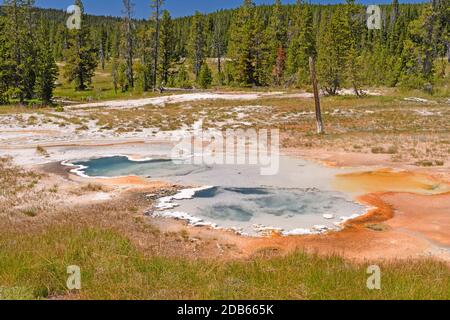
x: 312, y: 67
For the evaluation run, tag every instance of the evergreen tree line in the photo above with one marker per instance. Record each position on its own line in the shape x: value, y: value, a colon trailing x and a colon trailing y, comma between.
x: 267, y: 45
x: 272, y: 47
x: 27, y: 65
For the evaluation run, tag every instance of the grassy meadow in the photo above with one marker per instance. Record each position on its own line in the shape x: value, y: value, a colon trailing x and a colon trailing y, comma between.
x: 34, y: 266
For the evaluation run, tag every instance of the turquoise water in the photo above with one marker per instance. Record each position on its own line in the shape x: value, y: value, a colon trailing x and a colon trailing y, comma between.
x: 118, y: 166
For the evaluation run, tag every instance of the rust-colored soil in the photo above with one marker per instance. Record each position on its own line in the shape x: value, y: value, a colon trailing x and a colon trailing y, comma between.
x: 130, y: 181
x: 421, y: 230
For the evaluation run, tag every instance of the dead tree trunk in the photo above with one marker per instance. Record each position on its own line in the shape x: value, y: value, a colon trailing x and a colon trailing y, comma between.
x: 156, y: 16
x: 129, y: 45
x: 102, y: 55
x: 312, y: 67
x: 219, y: 61
x: 448, y: 51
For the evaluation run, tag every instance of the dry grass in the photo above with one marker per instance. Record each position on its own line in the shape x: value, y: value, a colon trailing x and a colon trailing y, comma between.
x: 409, y: 131
x: 19, y: 192
x: 41, y: 151
x: 92, y: 187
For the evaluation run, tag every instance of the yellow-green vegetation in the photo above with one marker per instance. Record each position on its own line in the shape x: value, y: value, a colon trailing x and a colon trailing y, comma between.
x: 13, y: 109
x: 34, y: 266
x: 102, y: 88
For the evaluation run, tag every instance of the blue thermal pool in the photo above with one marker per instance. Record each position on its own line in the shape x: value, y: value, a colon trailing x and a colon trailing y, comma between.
x: 298, y: 200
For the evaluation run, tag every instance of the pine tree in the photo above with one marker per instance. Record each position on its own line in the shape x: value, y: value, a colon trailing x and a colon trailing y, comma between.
x: 115, y: 42
x: 334, y: 42
x: 353, y: 55
x: 46, y: 68
x: 442, y: 9
x: 302, y: 44
x: 249, y: 47
x: 197, y: 44
x: 7, y: 64
x: 205, y: 76
x: 431, y: 39
x: 264, y: 45
x: 219, y: 45
x: 396, y: 37
x: 15, y: 32
x: 29, y: 51
x: 278, y: 42
x: 182, y: 79
x: 260, y: 53
x: 241, y: 44
x: 145, y: 51
x: 156, y: 17
x: 420, y: 51
x: 122, y: 78
x: 167, y: 47
x: 81, y: 59
x: 139, y: 74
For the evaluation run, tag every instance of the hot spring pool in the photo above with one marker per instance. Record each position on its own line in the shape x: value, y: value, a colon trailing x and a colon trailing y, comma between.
x: 119, y: 166
x: 298, y: 200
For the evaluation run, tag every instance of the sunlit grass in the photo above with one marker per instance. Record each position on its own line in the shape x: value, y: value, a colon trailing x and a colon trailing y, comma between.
x: 112, y: 268
x: 102, y: 88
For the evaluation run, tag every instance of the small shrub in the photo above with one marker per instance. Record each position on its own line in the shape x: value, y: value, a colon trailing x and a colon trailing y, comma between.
x: 205, y: 77
x: 83, y: 128
x: 381, y: 150
x: 41, y: 151
x: 30, y: 212
x: 377, y: 150
x: 392, y: 150
x: 377, y: 227
x: 92, y: 188
x: 430, y: 163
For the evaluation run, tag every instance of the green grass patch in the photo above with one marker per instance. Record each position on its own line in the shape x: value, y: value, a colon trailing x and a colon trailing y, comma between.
x: 35, y: 265
x: 102, y: 88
